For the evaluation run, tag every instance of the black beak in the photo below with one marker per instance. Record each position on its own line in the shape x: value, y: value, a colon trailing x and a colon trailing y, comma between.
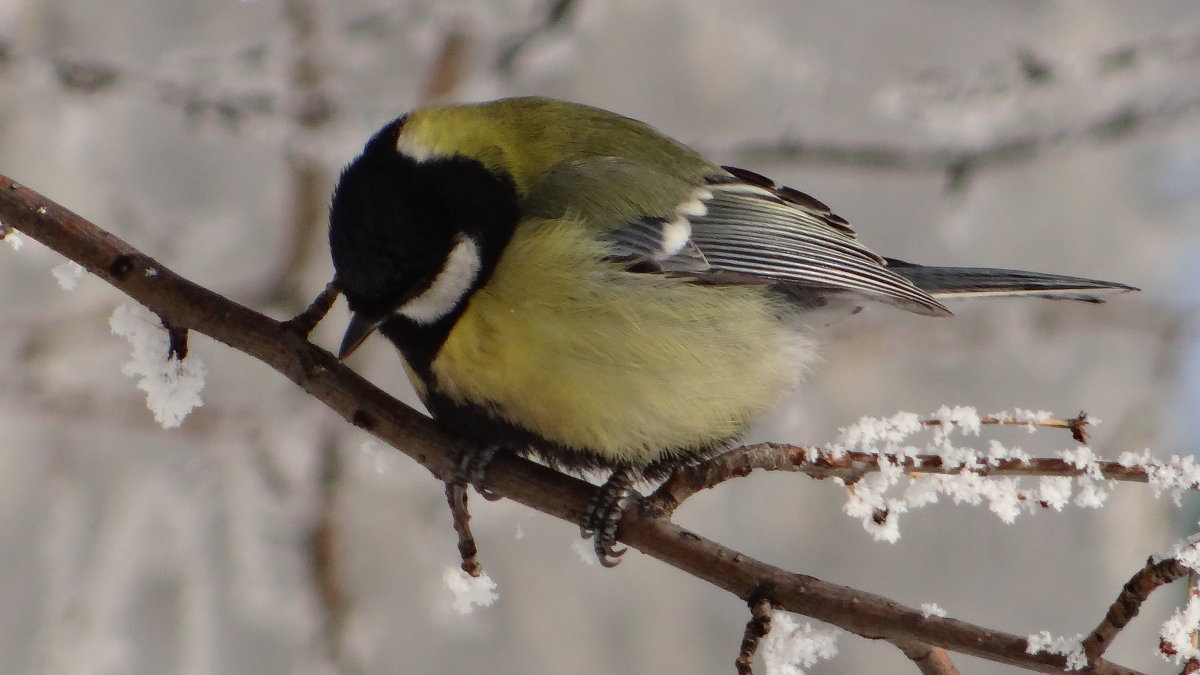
x: 357, y: 332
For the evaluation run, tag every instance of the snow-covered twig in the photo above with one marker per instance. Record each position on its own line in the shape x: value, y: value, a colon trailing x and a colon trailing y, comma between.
x: 850, y: 467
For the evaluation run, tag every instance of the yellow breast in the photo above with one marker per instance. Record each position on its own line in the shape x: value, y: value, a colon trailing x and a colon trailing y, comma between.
x: 629, y: 366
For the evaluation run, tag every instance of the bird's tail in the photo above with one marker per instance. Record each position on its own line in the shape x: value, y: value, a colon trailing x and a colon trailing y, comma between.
x: 975, y: 282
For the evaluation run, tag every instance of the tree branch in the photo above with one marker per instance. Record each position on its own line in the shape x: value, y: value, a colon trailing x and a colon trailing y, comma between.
x: 1129, y: 602
x: 849, y: 466
x: 757, y: 628
x: 187, y: 306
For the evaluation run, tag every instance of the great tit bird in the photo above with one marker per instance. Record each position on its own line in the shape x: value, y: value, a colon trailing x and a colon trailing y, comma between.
x: 566, y: 282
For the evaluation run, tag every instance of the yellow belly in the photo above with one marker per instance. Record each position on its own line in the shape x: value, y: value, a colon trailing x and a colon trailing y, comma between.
x: 630, y: 366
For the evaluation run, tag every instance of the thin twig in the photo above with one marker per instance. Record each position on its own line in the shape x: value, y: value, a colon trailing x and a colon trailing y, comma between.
x: 850, y: 466
x: 303, y: 323
x: 757, y: 628
x: 456, y: 497
x: 1129, y: 603
x: 177, y: 342
x: 1076, y: 425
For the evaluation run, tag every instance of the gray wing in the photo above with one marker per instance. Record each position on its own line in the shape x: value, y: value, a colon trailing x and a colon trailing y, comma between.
x: 747, y: 230
x: 753, y: 227
x: 737, y: 227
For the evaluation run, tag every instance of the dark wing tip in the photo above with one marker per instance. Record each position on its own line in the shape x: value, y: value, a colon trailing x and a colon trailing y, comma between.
x: 944, y: 282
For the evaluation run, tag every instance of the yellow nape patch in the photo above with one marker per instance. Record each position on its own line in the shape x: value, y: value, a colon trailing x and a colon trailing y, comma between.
x: 524, y: 138
x: 630, y: 366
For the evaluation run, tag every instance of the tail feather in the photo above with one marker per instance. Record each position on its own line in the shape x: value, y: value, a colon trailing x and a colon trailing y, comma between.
x: 974, y: 282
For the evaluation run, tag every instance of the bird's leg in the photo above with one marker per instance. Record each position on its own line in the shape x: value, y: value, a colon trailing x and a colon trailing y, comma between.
x: 473, y: 462
x: 604, y: 513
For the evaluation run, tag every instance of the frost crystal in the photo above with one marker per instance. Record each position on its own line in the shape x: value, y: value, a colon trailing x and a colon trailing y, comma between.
x: 1130, y: 458
x: 929, y: 609
x: 1189, y: 556
x: 870, y: 433
x: 1003, y: 498
x: 922, y: 491
x: 1172, y: 477
x: 866, y: 501
x: 1055, y: 491
x: 1092, y: 494
x: 965, y: 418
x: 997, y: 453
x: 68, y: 275
x: 1072, y: 648
x: 791, y: 647
x: 1030, y: 417
x: 1177, y: 631
x: 14, y: 240
x: 172, y: 386
x: 469, y: 592
x: 1081, y: 457
x: 1187, y: 552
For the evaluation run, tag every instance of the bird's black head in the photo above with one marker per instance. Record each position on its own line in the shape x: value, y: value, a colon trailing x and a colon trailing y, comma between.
x: 412, y: 239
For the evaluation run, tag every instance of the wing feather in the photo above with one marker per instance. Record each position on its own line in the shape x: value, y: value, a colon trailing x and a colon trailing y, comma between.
x: 735, y: 227
x: 752, y: 227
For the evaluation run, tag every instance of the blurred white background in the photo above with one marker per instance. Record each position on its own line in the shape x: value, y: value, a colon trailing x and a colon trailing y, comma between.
x: 266, y: 535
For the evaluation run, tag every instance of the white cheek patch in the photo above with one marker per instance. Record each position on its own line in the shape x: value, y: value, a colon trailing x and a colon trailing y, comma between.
x: 449, y: 287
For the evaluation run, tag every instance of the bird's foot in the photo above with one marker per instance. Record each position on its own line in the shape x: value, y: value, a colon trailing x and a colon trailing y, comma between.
x: 604, y: 514
x: 473, y: 462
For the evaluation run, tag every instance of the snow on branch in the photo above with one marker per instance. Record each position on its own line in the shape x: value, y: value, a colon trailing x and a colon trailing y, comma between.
x: 792, y: 646
x: 172, y: 384
x: 886, y: 474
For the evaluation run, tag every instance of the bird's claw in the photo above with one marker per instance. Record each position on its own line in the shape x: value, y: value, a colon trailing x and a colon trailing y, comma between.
x: 603, y: 515
x: 472, y: 467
